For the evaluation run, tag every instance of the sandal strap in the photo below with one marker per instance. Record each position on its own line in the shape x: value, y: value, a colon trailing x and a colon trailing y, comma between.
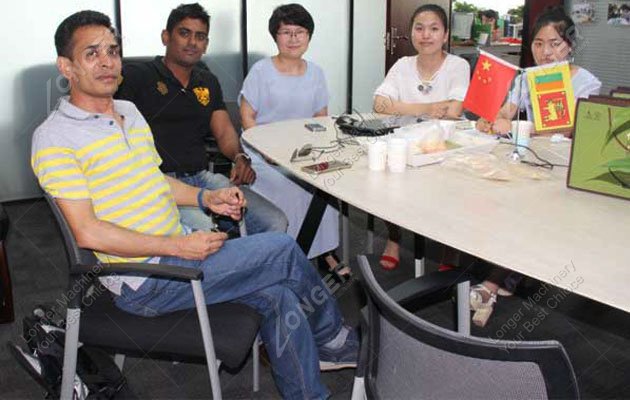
x: 482, y: 288
x: 340, y: 266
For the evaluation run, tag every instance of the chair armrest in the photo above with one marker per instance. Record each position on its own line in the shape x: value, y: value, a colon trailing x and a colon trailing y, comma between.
x: 421, y: 286
x: 155, y: 270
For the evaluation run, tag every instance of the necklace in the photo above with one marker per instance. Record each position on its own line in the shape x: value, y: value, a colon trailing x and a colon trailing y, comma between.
x: 426, y: 85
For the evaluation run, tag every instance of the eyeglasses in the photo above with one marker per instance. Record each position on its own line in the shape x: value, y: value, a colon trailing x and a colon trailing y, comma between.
x: 298, y: 33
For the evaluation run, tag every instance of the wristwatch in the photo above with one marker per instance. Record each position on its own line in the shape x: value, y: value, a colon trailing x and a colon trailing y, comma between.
x: 247, y: 158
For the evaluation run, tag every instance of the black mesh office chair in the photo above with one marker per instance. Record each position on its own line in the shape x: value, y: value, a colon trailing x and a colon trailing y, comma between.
x: 216, y: 334
x: 407, y: 357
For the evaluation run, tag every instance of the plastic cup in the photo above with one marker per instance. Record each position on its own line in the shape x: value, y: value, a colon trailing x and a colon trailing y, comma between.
x: 397, y: 155
x: 521, y: 132
x: 483, y: 38
x: 377, y: 155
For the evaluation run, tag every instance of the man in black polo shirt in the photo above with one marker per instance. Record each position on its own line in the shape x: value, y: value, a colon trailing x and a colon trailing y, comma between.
x: 182, y: 101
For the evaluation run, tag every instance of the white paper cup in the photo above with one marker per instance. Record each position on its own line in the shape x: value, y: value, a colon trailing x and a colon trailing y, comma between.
x: 377, y: 155
x: 521, y: 132
x: 483, y: 38
x: 397, y: 155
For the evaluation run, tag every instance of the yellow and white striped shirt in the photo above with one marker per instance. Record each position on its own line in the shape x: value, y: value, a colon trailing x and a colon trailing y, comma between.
x: 81, y: 155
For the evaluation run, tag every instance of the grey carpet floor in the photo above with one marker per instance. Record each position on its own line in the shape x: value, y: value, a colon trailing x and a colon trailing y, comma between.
x: 596, y: 337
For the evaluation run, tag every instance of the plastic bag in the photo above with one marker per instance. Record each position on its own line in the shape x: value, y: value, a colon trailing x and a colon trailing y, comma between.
x: 424, y: 138
x: 489, y: 166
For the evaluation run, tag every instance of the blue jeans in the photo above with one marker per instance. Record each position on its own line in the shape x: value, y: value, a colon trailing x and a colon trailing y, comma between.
x: 270, y: 273
x: 261, y: 216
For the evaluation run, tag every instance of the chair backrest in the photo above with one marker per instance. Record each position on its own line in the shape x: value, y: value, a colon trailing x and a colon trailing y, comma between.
x: 77, y: 257
x: 412, y: 358
x: 4, y: 223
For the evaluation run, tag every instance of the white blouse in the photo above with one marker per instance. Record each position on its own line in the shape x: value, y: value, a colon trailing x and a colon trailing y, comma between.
x: 450, y: 82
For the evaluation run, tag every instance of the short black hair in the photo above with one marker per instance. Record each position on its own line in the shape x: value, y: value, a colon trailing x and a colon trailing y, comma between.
x: 490, y: 14
x: 65, y: 30
x: 183, y: 11
x: 434, y: 8
x: 561, y: 22
x: 291, y: 14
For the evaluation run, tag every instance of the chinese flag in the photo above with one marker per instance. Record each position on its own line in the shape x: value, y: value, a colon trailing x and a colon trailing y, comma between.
x: 489, y: 86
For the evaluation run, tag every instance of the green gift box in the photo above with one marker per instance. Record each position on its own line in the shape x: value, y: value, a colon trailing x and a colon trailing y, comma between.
x: 600, y: 156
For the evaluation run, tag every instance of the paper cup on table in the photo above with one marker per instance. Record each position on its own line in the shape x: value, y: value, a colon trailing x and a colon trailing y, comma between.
x: 483, y: 38
x: 377, y: 155
x: 397, y: 155
x: 521, y: 132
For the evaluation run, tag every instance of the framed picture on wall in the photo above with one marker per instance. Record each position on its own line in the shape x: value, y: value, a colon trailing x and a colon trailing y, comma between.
x: 619, y: 13
x: 583, y: 13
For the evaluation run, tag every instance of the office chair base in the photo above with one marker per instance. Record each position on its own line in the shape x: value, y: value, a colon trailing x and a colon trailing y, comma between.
x: 119, y: 360
x: 358, y: 389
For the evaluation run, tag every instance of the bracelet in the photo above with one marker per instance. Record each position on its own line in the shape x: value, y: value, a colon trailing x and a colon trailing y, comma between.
x: 244, y: 155
x: 200, y: 200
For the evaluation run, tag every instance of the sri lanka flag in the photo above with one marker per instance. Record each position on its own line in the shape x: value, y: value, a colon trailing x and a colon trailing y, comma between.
x: 551, y: 95
x: 489, y: 85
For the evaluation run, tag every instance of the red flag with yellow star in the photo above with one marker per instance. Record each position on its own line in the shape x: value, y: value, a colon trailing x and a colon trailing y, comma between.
x: 489, y: 86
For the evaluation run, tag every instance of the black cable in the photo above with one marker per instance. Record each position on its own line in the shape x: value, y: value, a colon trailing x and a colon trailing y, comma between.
x: 543, y: 163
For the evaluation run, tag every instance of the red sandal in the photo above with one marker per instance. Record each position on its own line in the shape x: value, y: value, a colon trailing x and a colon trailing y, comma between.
x: 392, y: 262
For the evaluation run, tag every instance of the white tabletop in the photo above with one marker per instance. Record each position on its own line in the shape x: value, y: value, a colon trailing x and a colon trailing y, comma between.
x: 574, y: 240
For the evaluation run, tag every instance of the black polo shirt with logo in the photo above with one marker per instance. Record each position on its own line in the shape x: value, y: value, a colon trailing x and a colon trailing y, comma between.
x: 179, y: 116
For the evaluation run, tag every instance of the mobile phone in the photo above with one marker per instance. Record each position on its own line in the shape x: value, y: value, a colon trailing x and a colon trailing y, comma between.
x: 323, y: 167
x: 315, y: 127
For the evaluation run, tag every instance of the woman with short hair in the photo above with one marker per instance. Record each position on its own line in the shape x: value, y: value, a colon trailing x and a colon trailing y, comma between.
x: 283, y: 87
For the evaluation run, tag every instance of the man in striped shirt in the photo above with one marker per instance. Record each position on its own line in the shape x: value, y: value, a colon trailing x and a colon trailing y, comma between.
x: 96, y: 156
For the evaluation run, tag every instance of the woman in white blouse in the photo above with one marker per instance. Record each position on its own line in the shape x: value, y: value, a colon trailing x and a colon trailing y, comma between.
x: 432, y: 83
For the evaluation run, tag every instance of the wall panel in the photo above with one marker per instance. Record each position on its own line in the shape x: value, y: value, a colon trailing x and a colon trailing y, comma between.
x: 30, y: 83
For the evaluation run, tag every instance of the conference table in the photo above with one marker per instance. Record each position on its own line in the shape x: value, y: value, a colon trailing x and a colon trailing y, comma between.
x: 574, y: 240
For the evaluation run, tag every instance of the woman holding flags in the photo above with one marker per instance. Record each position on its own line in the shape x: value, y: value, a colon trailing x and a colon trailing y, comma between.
x: 553, y: 35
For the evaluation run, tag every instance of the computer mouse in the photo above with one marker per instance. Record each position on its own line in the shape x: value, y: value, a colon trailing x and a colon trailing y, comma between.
x: 346, y: 120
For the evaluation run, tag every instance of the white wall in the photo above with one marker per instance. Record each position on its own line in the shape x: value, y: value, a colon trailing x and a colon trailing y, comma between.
x: 328, y: 47
x: 29, y: 83
x: 368, y: 51
x: 141, y: 37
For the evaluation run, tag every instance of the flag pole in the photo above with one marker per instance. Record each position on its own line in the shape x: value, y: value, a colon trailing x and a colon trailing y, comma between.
x: 516, y: 156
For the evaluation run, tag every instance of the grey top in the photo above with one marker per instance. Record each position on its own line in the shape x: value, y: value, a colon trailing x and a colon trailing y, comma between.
x: 277, y: 97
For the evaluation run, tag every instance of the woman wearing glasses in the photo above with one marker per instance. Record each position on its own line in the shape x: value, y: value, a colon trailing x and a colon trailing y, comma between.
x: 282, y: 87
x: 432, y: 83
